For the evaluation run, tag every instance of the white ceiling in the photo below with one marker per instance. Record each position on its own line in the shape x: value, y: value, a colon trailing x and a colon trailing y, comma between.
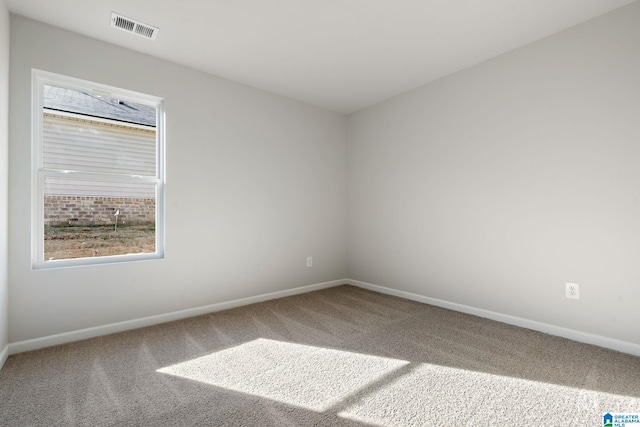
x: 341, y: 55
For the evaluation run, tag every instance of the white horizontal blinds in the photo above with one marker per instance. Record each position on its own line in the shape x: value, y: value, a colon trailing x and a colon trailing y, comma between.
x: 94, y: 147
x: 57, y: 185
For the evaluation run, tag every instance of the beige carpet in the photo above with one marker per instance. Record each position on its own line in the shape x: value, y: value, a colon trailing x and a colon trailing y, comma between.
x: 341, y: 356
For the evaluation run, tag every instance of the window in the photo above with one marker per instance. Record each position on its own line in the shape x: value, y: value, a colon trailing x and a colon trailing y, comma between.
x: 98, y: 173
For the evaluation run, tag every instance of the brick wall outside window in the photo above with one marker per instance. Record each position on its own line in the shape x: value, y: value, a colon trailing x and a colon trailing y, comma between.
x: 91, y: 211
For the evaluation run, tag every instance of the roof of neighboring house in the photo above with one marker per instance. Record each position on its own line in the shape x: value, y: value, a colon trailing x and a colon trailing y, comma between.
x: 73, y: 101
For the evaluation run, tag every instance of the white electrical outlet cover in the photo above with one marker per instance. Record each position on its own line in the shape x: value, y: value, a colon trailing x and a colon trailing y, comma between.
x: 572, y: 290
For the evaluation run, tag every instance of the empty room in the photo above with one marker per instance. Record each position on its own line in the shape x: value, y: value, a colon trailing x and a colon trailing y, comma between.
x: 290, y: 213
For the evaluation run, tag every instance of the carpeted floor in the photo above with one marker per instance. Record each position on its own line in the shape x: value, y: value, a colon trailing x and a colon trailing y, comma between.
x: 341, y: 356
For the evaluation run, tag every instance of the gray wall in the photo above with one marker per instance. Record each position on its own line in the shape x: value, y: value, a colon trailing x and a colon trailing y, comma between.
x: 489, y: 188
x: 4, y: 174
x: 255, y: 184
x: 494, y: 186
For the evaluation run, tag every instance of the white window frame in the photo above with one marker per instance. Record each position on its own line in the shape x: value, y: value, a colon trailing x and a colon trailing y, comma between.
x: 39, y: 80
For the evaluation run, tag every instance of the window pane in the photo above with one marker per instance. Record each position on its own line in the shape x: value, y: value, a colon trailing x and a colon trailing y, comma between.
x: 99, y: 180
x: 86, y: 217
x: 90, y: 133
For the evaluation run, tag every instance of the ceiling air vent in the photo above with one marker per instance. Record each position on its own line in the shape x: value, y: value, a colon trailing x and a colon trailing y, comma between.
x: 132, y: 26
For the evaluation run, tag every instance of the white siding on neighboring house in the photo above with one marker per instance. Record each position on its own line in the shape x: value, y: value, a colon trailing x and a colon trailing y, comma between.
x: 76, y: 187
x: 91, y: 146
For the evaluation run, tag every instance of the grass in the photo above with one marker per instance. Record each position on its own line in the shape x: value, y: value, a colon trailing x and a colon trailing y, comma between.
x: 83, y: 242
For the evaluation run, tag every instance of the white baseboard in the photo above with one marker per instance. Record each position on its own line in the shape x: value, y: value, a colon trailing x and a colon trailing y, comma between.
x: 48, y: 341
x: 584, y: 337
x: 4, y: 354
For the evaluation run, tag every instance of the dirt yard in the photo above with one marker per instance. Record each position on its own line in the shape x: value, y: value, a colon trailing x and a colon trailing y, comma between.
x: 84, y: 242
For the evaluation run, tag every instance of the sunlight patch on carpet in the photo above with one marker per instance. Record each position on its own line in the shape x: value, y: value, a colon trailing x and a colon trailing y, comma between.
x: 305, y: 376
x: 434, y: 395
